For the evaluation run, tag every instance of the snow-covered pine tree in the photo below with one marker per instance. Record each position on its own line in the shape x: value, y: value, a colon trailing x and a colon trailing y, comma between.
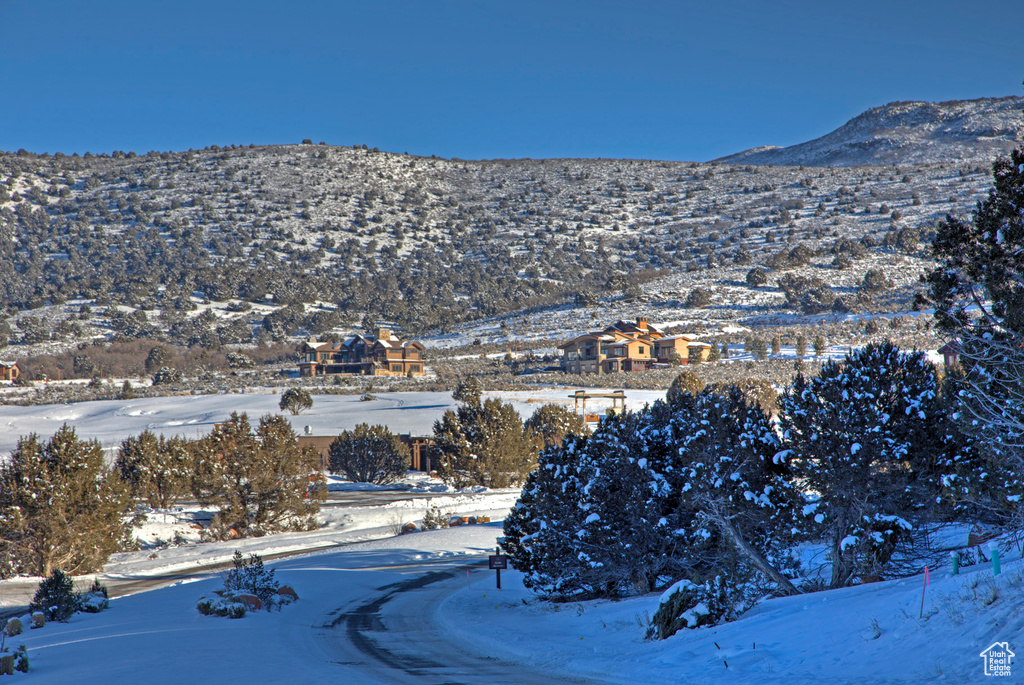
x: 632, y: 536
x: 553, y: 423
x: 867, y: 437
x: 260, y: 479
x: 156, y: 469
x: 369, y: 454
x: 540, y: 529
x: 737, y: 479
x: 978, y: 290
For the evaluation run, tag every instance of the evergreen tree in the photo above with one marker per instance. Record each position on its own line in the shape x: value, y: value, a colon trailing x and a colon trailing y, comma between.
x: 157, y: 470
x: 867, y: 438
x: 261, y: 479
x: 296, y: 400
x: 687, y: 382
x: 553, y: 423
x: 737, y: 479
x: 60, y: 507
x: 485, y: 444
x: 978, y: 290
x: 369, y: 454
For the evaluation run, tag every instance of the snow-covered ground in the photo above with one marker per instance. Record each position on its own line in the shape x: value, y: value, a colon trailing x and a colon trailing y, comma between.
x: 866, y: 634
x: 110, y: 421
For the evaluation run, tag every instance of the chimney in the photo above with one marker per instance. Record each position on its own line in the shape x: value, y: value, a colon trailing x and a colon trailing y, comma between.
x: 641, y: 323
x: 383, y: 334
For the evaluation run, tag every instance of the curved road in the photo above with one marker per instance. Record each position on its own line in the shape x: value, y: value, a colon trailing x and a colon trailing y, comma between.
x: 394, y: 637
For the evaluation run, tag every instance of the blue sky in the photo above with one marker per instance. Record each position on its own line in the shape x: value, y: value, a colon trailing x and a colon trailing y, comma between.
x: 664, y: 80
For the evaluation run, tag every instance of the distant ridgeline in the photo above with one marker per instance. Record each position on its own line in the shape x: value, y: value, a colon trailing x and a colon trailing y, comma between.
x: 907, y: 133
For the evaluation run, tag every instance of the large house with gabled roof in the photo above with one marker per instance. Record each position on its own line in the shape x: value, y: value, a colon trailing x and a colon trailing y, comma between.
x: 628, y: 346
x: 382, y: 354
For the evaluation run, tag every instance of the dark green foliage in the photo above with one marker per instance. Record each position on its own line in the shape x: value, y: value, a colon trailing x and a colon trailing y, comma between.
x: 875, y: 281
x: 685, y: 382
x: 60, y: 507
x: 553, y: 423
x: 95, y: 599
x: 261, y: 480
x: 167, y: 376
x: 978, y: 291
x: 252, y: 577
x: 156, y: 469
x: 484, y: 443
x: 56, y: 597
x: 369, y: 454
x: 698, y: 297
x: 692, y: 605
x: 652, y: 497
x: 296, y: 400
x: 811, y: 295
x: 756, y: 277
x: 869, y: 437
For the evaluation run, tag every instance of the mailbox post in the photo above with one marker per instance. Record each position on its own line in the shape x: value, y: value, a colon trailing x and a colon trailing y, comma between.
x: 497, y: 561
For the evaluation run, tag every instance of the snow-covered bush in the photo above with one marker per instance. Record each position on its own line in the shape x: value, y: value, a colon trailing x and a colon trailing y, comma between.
x: 13, y: 661
x: 369, y: 454
x: 692, y: 605
x: 674, y: 491
x: 95, y: 599
x: 13, y: 627
x: 435, y: 518
x: 249, y: 576
x: 56, y: 597
x: 220, y: 605
x: 870, y: 436
x: 249, y: 586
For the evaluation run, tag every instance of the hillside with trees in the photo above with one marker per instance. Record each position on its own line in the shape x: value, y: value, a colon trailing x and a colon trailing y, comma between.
x: 315, y: 238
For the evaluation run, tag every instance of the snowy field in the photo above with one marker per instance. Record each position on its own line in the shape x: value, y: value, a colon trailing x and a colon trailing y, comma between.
x: 110, y: 421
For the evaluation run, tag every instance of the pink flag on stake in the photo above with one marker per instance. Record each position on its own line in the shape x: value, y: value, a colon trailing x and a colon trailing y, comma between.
x: 924, y: 588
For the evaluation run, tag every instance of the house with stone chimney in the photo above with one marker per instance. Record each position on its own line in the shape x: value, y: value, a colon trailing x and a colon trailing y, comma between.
x: 628, y: 346
x: 382, y: 354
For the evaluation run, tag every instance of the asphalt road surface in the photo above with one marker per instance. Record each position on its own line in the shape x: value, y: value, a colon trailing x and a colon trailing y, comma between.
x: 391, y: 636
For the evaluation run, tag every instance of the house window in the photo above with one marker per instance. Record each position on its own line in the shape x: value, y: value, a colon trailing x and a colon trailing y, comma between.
x: 415, y: 368
x: 396, y: 367
x: 641, y: 348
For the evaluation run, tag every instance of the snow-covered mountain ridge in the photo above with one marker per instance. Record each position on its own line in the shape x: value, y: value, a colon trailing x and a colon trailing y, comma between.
x: 907, y: 133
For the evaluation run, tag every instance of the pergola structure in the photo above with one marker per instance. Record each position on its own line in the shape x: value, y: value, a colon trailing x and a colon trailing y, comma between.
x: 617, y: 397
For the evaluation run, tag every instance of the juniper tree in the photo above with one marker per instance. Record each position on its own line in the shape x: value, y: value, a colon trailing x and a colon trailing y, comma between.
x: 737, y: 479
x: 156, y: 469
x: 261, y: 480
x: 296, y: 400
x: 485, y: 444
x: 60, y: 507
x: 867, y: 436
x: 553, y: 423
x: 978, y: 290
x: 369, y: 454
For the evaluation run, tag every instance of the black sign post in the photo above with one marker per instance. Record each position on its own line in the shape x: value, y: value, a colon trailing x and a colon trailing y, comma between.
x: 497, y: 561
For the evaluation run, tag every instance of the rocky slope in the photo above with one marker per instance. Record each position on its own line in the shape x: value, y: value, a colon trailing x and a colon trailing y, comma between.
x: 962, y: 131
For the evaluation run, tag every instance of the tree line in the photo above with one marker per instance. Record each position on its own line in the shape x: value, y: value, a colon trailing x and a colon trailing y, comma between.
x: 62, y: 508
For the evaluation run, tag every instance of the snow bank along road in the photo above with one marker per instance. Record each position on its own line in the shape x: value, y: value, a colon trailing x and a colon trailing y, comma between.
x: 365, y: 615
